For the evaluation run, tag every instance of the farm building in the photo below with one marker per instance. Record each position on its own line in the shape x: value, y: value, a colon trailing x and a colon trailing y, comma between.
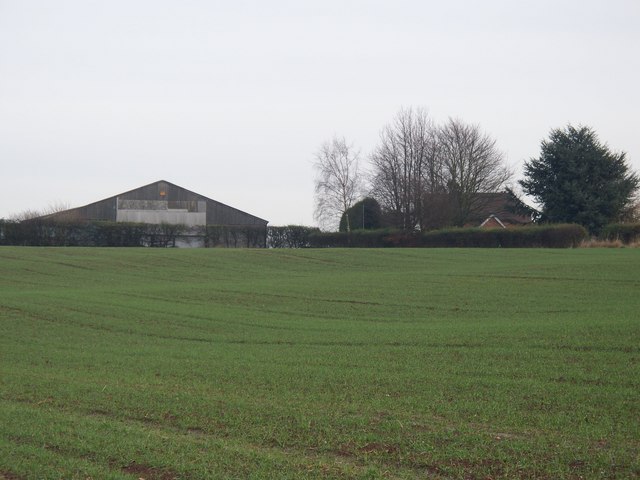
x: 202, y: 221
x: 486, y: 210
x: 498, y: 210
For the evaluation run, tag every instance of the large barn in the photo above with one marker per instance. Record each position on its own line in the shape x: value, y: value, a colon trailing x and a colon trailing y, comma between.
x: 165, y: 203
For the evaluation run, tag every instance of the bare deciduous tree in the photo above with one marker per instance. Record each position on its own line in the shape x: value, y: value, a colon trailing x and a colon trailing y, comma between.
x: 471, y: 164
x: 338, y: 181
x: 405, y: 167
x: 53, y: 208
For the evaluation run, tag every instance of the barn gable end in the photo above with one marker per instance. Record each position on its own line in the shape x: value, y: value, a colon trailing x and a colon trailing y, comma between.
x: 163, y: 202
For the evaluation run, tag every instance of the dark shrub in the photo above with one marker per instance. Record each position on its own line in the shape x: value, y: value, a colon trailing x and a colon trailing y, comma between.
x: 549, y: 236
x: 113, y: 234
x: 290, y: 236
x: 364, y: 215
x: 329, y: 239
x: 625, y: 232
x: 357, y: 238
x: 251, y: 236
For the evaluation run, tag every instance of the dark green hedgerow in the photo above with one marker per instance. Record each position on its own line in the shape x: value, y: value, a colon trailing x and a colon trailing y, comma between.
x: 41, y: 232
x: 50, y: 233
x: 233, y: 236
x: 355, y: 238
x: 625, y: 232
x: 290, y: 236
x: 550, y: 236
x: 45, y: 232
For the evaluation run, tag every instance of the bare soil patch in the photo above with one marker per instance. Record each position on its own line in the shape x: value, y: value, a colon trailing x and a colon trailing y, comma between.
x: 146, y: 472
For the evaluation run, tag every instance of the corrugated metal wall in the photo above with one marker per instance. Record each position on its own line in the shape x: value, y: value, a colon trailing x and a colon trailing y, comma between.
x: 165, y: 196
x: 104, y: 210
x: 220, y: 214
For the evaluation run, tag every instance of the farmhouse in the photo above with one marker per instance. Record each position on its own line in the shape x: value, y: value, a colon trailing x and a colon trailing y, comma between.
x: 202, y: 220
x: 485, y: 210
x: 498, y: 210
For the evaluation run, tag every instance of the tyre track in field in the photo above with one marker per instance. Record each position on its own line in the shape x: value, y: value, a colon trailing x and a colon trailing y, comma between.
x: 332, y: 462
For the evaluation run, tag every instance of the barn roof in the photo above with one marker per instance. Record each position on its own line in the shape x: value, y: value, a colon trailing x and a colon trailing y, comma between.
x: 217, y: 213
x: 500, y: 205
x: 439, y: 209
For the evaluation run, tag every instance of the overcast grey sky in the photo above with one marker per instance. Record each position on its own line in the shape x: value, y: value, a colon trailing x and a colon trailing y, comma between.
x: 232, y: 99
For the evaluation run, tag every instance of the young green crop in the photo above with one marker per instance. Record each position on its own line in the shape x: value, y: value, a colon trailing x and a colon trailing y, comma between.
x: 400, y: 363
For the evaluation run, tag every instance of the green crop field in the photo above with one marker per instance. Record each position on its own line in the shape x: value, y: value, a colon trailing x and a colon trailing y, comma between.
x: 392, y: 363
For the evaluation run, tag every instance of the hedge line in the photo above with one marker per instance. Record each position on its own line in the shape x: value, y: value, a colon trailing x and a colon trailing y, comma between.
x: 233, y: 236
x: 547, y: 236
x: 625, y: 232
x: 357, y: 238
x: 290, y: 236
x: 44, y: 232
x: 551, y: 236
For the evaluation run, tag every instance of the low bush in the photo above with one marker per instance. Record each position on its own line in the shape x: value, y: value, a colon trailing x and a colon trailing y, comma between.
x: 47, y: 232
x: 625, y: 232
x: 329, y: 240
x: 597, y: 243
x: 113, y: 234
x: 43, y: 232
x: 357, y: 238
x: 233, y: 236
x: 550, y: 236
x: 363, y: 215
x: 290, y: 236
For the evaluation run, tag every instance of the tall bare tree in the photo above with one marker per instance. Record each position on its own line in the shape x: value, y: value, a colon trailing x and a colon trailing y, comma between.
x: 471, y: 164
x: 405, y: 167
x: 338, y: 181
